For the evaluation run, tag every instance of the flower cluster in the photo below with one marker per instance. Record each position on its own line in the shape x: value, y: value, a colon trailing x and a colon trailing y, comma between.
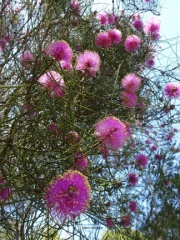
x: 150, y: 61
x: 80, y: 161
x: 137, y: 22
x: 27, y: 58
x: 132, y: 206
x: 172, y: 90
x: 111, y: 132
x: 75, y: 6
x: 53, y: 82
x: 131, y: 83
x: 132, y: 43
x: 89, y: 62
x: 68, y: 195
x: 107, y: 39
x: 107, y: 18
x: 129, y: 99
x: 126, y: 221
x: 141, y: 160
x: 152, y: 27
x: 60, y: 50
x: 133, y: 179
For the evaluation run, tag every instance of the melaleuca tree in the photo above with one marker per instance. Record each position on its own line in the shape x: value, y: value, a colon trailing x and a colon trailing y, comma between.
x: 72, y: 91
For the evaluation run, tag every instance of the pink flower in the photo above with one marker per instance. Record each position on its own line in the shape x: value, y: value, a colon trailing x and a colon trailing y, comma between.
x: 153, y: 148
x: 148, y: 141
x: 29, y: 110
x: 158, y: 156
x: 152, y: 27
x: 75, y: 6
x: 52, y: 127
x: 131, y: 83
x: 7, y: 38
x: 132, y: 43
x: 88, y: 62
x: 133, y: 179
x: 103, y: 18
x: 142, y: 160
x: 66, y: 65
x: 155, y: 36
x: 111, y: 18
x: 137, y: 22
x: 27, y: 58
x: 68, y: 196
x: 129, y: 99
x: 53, y: 82
x: 172, y: 90
x: 169, y: 137
x: 103, y: 40
x: 126, y: 221
x: 111, y: 132
x: 115, y: 35
x: 80, y: 162
x: 4, y: 191
x: 109, y: 222
x: 60, y: 50
x: 132, y: 206
x: 150, y: 61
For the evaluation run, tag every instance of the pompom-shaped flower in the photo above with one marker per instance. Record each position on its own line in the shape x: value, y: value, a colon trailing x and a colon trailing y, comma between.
x: 111, y: 132
x: 126, y: 221
x: 141, y: 160
x: 68, y: 196
x: 60, y: 50
x: 53, y: 82
x: 150, y: 61
x: 4, y: 191
x: 80, y: 161
x: 138, y: 24
x: 88, y: 62
x: 153, y: 148
x: 131, y: 82
x: 129, y: 99
x: 103, y: 40
x: 111, y: 18
x: 27, y: 58
x: 133, y: 179
x: 75, y: 6
x: 172, y: 90
x: 152, y: 25
x: 132, y: 206
x: 103, y: 18
x: 109, y: 222
x: 115, y: 35
x: 132, y: 43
